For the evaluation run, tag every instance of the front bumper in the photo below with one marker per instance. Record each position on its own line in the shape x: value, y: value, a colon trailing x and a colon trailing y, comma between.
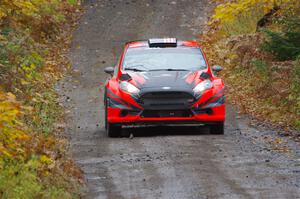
x: 127, y: 117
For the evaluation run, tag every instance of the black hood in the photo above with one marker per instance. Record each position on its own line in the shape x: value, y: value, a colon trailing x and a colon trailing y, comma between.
x: 156, y: 81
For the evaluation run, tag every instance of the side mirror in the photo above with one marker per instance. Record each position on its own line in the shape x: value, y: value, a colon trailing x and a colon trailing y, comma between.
x: 109, y: 70
x: 217, y: 68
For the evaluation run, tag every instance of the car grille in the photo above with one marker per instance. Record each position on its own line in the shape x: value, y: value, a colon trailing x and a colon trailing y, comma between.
x: 166, y: 100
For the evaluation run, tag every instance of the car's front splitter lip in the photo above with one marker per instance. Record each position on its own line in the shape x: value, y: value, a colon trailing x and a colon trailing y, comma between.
x: 217, y: 116
x: 167, y: 123
x: 202, y: 118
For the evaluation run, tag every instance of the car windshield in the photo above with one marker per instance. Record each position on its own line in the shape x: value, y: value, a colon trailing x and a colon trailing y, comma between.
x: 152, y: 59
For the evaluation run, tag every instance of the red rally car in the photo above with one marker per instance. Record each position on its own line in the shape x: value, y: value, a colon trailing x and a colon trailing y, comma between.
x: 163, y: 81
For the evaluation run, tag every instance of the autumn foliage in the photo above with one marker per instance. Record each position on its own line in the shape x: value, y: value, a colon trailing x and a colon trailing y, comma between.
x: 257, y: 42
x: 34, y: 35
x: 242, y: 16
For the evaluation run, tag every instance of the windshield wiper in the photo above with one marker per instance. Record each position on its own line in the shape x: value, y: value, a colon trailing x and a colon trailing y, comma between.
x: 169, y: 69
x: 134, y: 69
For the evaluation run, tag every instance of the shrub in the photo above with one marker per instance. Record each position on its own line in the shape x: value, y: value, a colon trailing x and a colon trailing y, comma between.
x: 18, y: 180
x: 32, y: 159
x: 242, y: 16
x: 256, y: 81
x: 284, y: 45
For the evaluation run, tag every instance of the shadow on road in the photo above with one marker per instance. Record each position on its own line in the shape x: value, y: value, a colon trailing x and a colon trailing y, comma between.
x: 165, y: 131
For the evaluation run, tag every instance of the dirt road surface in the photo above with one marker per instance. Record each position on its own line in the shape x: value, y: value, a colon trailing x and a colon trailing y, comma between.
x: 164, y: 162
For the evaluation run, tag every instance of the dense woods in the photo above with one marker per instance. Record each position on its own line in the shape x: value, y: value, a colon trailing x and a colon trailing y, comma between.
x: 257, y: 41
x: 34, y: 35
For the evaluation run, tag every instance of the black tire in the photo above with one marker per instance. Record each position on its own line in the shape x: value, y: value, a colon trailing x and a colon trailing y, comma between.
x: 105, y: 109
x: 112, y: 130
x: 217, y: 129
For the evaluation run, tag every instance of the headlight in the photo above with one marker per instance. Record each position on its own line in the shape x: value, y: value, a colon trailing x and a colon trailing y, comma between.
x: 203, y: 86
x: 129, y: 88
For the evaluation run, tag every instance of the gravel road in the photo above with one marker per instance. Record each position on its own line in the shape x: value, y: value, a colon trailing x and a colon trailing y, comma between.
x: 249, y: 161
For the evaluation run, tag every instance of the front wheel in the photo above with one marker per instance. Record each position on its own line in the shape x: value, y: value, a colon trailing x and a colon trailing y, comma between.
x: 217, y: 128
x: 113, y: 130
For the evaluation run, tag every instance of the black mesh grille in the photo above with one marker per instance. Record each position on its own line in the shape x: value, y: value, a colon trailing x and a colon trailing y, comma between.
x: 167, y: 100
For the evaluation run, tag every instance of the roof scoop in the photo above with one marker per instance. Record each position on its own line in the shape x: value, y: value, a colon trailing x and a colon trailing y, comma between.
x: 162, y: 42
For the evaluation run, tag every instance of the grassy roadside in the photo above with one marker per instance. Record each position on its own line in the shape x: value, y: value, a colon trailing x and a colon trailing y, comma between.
x: 34, y: 39
x: 257, y: 43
